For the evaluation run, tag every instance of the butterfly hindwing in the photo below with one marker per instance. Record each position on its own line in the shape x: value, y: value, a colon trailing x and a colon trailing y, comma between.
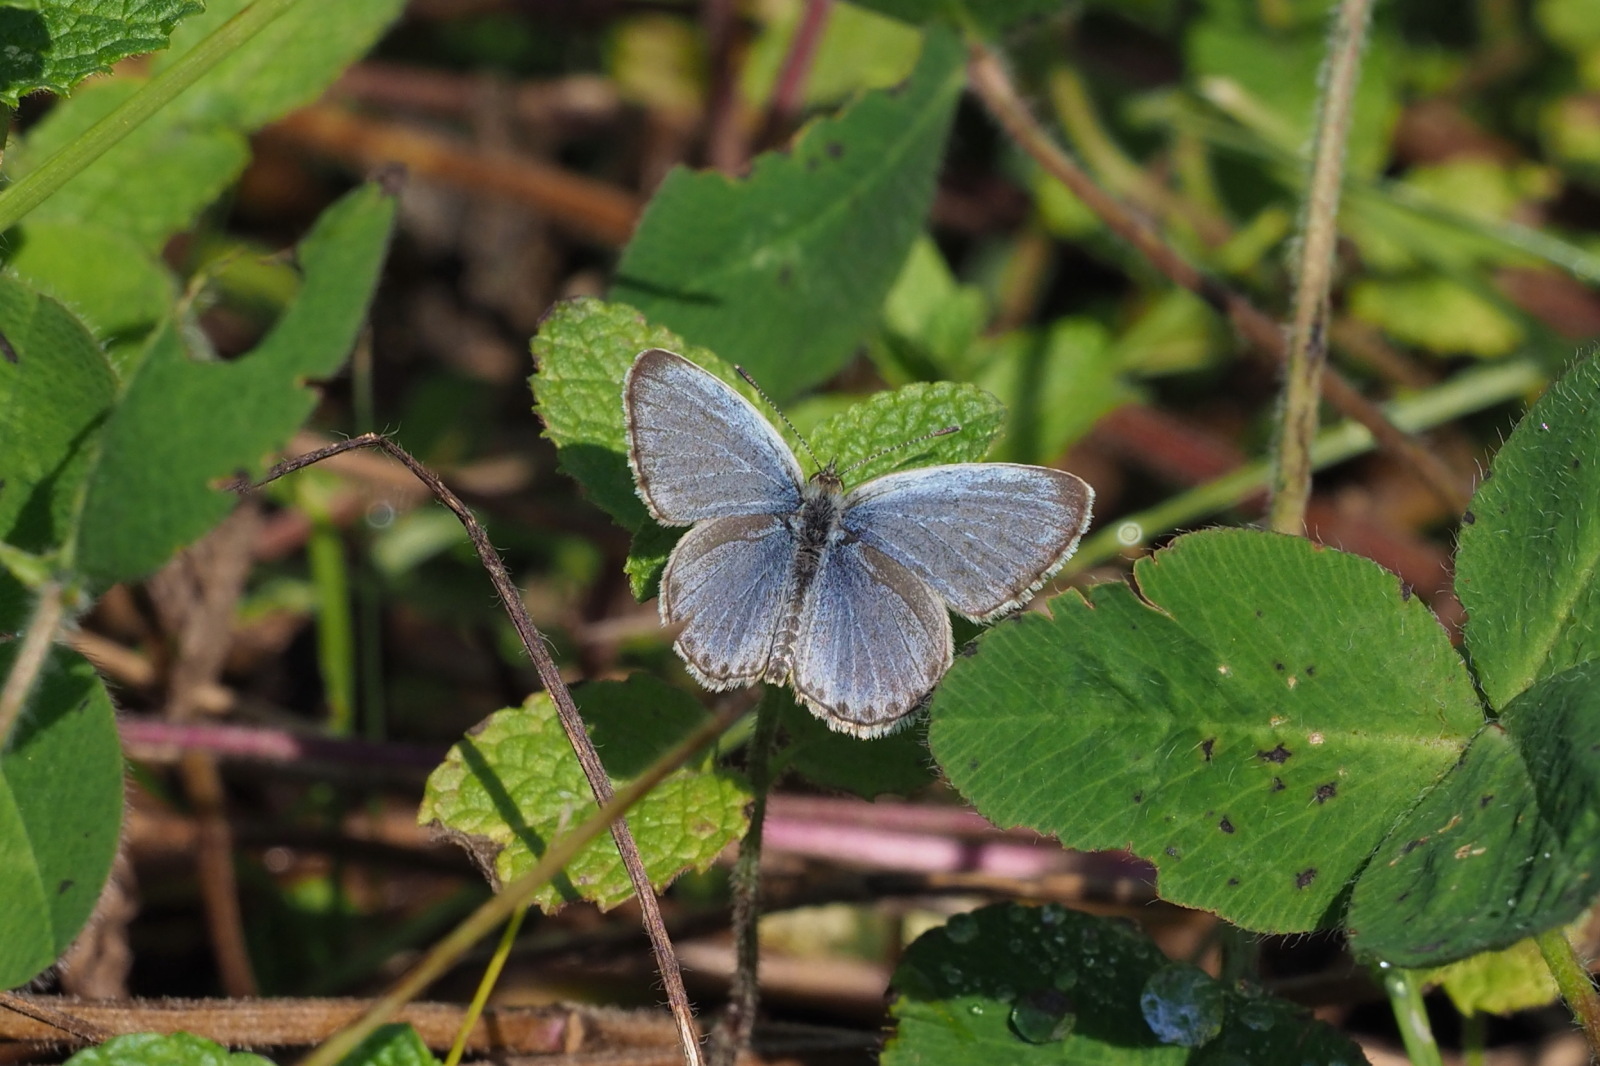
x: 727, y: 582
x: 873, y: 640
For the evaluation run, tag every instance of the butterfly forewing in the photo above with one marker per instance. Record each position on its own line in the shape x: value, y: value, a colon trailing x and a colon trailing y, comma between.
x: 984, y: 536
x: 700, y: 450
x: 873, y: 640
x: 727, y: 582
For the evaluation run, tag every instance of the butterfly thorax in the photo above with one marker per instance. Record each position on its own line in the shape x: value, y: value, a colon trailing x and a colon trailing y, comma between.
x: 815, y: 525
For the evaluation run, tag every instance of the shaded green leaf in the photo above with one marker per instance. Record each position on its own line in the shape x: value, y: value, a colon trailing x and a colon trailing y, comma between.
x: 54, y: 44
x: 152, y: 489
x: 164, y: 1049
x: 513, y: 785
x: 60, y: 813
x: 1528, y: 564
x: 1505, y: 847
x: 897, y: 764
x: 1252, y: 720
x: 1010, y: 984
x: 55, y: 389
x: 785, y: 270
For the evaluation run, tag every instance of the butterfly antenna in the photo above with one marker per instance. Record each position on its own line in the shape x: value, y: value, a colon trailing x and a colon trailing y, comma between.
x: 742, y: 372
x: 944, y: 432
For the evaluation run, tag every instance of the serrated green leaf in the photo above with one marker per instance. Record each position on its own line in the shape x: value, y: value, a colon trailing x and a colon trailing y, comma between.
x: 55, y: 44
x: 1252, y: 721
x: 1507, y: 845
x: 55, y: 390
x: 897, y: 764
x: 1528, y: 564
x: 888, y: 420
x: 60, y: 813
x: 152, y: 489
x: 1008, y: 985
x: 784, y: 271
x: 513, y: 785
x: 163, y: 1049
x: 989, y: 15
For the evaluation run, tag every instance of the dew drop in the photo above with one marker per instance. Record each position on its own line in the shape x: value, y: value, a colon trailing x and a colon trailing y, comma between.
x: 961, y: 928
x: 1183, y: 1006
x: 1043, y: 1017
x: 1066, y: 980
x: 1258, y: 1015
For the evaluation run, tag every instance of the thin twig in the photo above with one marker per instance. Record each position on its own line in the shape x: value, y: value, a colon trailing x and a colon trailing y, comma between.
x: 726, y: 149
x: 1308, y: 338
x: 566, y: 709
x: 518, y: 893
x: 584, y: 207
x: 993, y: 86
x: 31, y: 656
x: 86, y: 1031
x: 744, y: 993
x: 788, y: 92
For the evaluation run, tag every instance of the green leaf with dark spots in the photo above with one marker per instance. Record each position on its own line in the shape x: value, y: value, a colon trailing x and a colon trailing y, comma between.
x: 1507, y: 845
x: 1252, y: 720
x: 784, y: 271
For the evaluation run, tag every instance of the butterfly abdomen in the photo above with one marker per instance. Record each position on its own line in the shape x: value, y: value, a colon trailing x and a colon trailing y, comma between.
x: 813, y: 526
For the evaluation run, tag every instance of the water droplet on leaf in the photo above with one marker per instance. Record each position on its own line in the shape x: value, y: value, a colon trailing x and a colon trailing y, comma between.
x: 1258, y: 1015
x: 961, y: 928
x: 1043, y: 1017
x: 1183, y: 1006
